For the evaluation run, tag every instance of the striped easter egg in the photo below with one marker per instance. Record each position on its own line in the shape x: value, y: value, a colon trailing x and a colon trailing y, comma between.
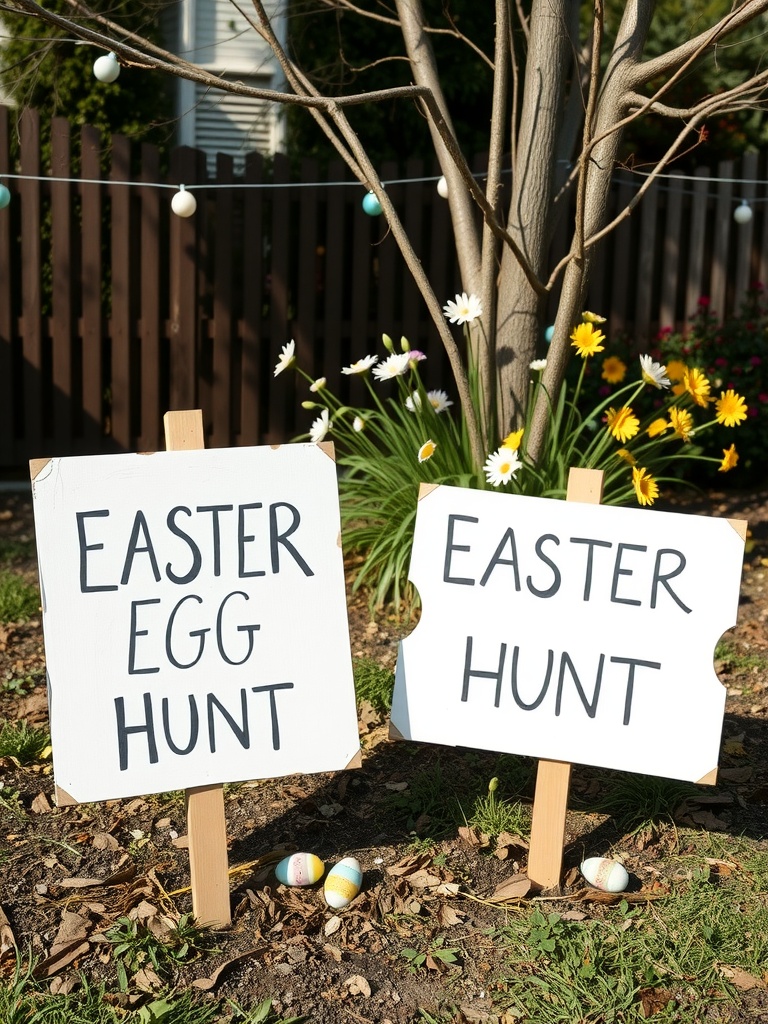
x: 300, y: 869
x: 606, y: 874
x: 343, y: 883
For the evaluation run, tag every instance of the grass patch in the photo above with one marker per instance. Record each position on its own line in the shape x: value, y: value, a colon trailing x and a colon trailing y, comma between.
x: 373, y: 683
x: 23, y: 741
x: 641, y: 802
x: 667, y: 954
x: 19, y: 601
x: 16, y: 549
x: 727, y: 653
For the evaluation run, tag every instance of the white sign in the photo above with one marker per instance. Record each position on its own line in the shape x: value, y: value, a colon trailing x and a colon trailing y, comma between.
x: 195, y: 621
x: 568, y: 631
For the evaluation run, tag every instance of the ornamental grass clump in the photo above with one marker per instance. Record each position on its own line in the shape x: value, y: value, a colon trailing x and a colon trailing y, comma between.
x: 638, y: 434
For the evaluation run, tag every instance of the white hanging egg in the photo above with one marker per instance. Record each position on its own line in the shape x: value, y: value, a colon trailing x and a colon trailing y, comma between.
x: 183, y: 203
x: 606, y: 874
x: 343, y: 883
x: 442, y: 188
x: 106, y: 68
x: 300, y: 869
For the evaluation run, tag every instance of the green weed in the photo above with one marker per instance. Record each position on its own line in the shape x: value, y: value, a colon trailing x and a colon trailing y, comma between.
x: 135, y: 946
x: 261, y: 1014
x: 431, y: 956
x: 24, y: 1000
x: 19, y: 601
x: 23, y: 741
x: 494, y: 815
x: 373, y: 683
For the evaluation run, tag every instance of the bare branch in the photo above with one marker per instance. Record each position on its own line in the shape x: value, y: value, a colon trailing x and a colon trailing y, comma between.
x: 395, y: 22
x: 688, y: 51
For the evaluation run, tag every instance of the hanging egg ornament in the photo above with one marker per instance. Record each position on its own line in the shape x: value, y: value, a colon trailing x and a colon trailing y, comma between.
x: 743, y: 213
x: 371, y: 204
x: 549, y: 333
x: 183, y: 203
x: 343, y: 883
x: 606, y: 874
x: 106, y: 68
x: 442, y: 188
x: 300, y: 869
x: 5, y: 197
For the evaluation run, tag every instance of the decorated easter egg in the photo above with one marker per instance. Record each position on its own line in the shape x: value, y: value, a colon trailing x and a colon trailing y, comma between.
x: 605, y: 874
x: 300, y: 869
x: 342, y: 883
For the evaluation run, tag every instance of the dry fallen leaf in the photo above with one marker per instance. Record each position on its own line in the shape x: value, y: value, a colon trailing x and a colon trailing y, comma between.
x: 357, y: 986
x: 206, y: 984
x: 516, y: 887
x: 741, y: 979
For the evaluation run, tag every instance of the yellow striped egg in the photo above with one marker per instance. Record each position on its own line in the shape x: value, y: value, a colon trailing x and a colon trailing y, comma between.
x: 343, y: 883
x: 300, y: 869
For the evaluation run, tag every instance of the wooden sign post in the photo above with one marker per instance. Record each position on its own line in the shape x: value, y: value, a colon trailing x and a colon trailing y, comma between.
x: 194, y: 602
x: 553, y: 778
x: 206, y: 821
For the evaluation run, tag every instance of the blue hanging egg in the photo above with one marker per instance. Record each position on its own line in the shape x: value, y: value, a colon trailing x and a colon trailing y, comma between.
x: 371, y: 204
x: 549, y: 333
x: 5, y: 197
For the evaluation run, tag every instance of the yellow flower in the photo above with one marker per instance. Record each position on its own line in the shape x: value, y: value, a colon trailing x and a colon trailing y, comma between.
x: 676, y: 370
x: 427, y: 450
x: 592, y: 318
x: 622, y: 423
x: 614, y: 370
x: 657, y: 427
x: 587, y: 340
x: 697, y: 386
x: 623, y: 453
x: 730, y: 458
x: 646, y: 488
x: 730, y: 409
x: 513, y: 440
x: 681, y: 422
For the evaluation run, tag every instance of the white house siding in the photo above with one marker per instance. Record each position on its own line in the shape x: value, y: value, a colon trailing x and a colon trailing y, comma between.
x: 214, y: 35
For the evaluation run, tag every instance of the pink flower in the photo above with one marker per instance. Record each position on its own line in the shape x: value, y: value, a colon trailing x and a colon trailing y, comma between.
x: 704, y: 301
x: 721, y: 361
x: 762, y: 397
x: 755, y: 360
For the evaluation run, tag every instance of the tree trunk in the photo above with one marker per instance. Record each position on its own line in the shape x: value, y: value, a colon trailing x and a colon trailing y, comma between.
x: 530, y: 212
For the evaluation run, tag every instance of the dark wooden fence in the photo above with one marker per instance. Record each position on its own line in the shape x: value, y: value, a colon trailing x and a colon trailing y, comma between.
x: 113, y: 310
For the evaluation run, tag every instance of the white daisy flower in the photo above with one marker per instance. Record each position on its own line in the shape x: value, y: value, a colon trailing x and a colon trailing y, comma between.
x: 320, y: 427
x: 361, y: 366
x: 319, y: 384
x: 393, y: 366
x: 464, y: 310
x: 439, y: 401
x: 501, y: 466
x: 358, y: 424
x: 287, y: 357
x: 427, y: 450
x: 537, y: 365
x: 653, y: 373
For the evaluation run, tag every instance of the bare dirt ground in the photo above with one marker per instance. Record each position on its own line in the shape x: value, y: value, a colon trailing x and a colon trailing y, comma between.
x: 69, y: 873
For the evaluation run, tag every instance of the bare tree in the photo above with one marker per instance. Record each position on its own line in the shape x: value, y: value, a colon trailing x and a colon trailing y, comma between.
x: 565, y: 111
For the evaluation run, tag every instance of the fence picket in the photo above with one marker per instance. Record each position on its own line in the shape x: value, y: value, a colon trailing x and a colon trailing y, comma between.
x: 7, y: 303
x: 31, y: 284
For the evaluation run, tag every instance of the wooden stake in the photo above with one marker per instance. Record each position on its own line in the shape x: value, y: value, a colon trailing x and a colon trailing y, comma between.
x: 553, y: 778
x: 206, y: 823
